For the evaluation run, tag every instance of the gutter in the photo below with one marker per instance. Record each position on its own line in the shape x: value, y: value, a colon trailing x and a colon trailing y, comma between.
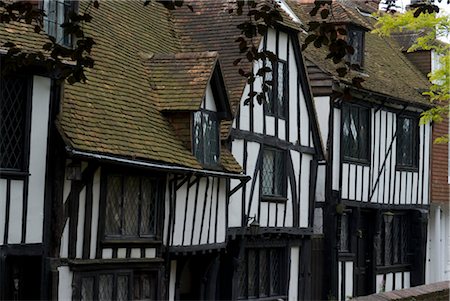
x: 157, y: 166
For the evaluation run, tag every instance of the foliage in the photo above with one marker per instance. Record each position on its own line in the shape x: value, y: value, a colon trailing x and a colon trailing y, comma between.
x: 53, y: 56
x: 429, y: 26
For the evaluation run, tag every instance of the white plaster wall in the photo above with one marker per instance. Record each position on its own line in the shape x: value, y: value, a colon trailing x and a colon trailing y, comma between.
x: 38, y: 153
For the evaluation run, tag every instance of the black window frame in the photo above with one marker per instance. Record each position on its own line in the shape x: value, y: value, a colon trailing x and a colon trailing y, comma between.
x: 132, y: 275
x: 256, y: 253
x: 23, y: 166
x: 282, y: 197
x: 358, y: 56
x: 206, y: 162
x: 362, y: 157
x: 271, y: 107
x: 414, y: 146
x: 52, y: 26
x: 345, y: 237
x: 158, y: 180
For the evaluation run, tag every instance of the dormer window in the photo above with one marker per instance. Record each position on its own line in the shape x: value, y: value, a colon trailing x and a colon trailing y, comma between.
x: 206, y: 137
x: 356, y: 40
x: 57, y: 12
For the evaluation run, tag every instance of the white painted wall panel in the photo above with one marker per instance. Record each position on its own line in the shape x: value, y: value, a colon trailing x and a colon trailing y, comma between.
x: 270, y: 126
x: 403, y: 188
x: 2, y: 208
x: 366, y: 186
x: 282, y: 45
x: 406, y: 280
x: 221, y: 220
x: 345, y: 175
x: 135, y: 253
x: 80, y: 226
x: 389, y: 282
x: 121, y: 253
x: 336, y: 148
x: 64, y: 247
x: 282, y: 129
x: 421, y: 158
x: 320, y: 183
x: 15, y: 212
x: 304, y: 121
x: 150, y: 253
x: 209, y: 103
x: 38, y: 154
x: 339, y: 280
x: 95, y: 212
x: 397, y: 188
x: 352, y: 182
x: 293, y: 279
x: 65, y: 277
x: 244, y: 114
x: 398, y: 280
x: 258, y: 109
x: 198, y: 211
x: 408, y: 189
x: 214, y: 205
x: 107, y: 253
x: 348, y: 280
x: 426, y: 182
x: 304, y: 195
x: 379, y: 283
x: 293, y: 94
x: 359, y: 182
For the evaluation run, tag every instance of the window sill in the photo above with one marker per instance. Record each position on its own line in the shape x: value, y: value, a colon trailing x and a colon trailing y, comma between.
x: 10, y: 173
x: 130, y: 241
x: 356, y: 161
x: 406, y: 168
x: 274, y: 199
x: 393, y: 268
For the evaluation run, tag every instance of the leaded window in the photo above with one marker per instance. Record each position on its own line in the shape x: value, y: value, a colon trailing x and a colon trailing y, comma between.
x: 356, y: 40
x: 276, y: 80
x: 407, y: 142
x: 273, y: 175
x: 206, y: 144
x: 13, y: 122
x: 57, y: 12
x: 395, y: 237
x: 261, y: 273
x: 355, y: 133
x: 131, y: 206
x: 120, y: 285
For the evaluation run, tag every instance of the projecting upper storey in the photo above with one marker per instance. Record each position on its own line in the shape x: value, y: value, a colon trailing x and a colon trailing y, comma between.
x: 386, y: 71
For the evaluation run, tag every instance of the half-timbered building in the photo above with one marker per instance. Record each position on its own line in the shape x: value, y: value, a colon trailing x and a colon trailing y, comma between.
x: 374, y: 195
x: 154, y: 179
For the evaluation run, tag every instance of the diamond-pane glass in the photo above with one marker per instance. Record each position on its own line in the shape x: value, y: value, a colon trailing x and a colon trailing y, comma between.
x: 275, y: 272
x: 263, y: 273
x: 113, y: 205
x: 243, y: 280
x: 344, y: 241
x: 252, y: 273
x: 273, y: 173
x: 148, y: 206
x: 105, y: 287
x: 12, y: 122
x: 131, y: 206
x: 269, y: 81
x: 87, y: 288
x: 355, y: 132
x: 122, y: 288
x: 281, y: 89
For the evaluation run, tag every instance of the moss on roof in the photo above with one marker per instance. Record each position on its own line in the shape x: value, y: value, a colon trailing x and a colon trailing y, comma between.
x: 385, y: 70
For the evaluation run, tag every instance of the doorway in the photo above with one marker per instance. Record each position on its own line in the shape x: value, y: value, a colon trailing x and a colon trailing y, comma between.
x: 364, y: 254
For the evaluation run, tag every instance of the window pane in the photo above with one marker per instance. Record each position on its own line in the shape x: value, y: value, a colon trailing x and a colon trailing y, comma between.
x: 364, y: 134
x: 243, y: 280
x: 131, y: 206
x: 344, y: 233
x: 87, y: 288
x: 405, y: 142
x: 105, y: 287
x: 281, y: 88
x: 355, y: 132
x: 252, y: 273
x: 12, y: 122
x: 113, y: 205
x: 122, y: 287
x: 269, y: 81
x: 263, y: 273
x: 198, y: 136
x: 148, y: 206
x: 275, y: 272
x: 279, y: 174
x: 268, y: 173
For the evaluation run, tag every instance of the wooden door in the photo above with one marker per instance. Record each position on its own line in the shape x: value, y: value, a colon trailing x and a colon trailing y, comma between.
x: 364, y: 255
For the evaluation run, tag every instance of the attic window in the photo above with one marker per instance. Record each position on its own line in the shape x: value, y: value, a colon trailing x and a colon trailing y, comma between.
x: 57, y: 12
x: 206, y: 137
x: 356, y: 40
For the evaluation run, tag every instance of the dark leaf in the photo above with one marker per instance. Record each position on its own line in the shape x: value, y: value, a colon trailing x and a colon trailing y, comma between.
x: 237, y: 61
x: 324, y: 13
x: 342, y: 71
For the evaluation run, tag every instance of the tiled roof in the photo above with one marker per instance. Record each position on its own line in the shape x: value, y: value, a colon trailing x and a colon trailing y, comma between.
x: 386, y: 70
x: 179, y: 81
x: 113, y: 112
